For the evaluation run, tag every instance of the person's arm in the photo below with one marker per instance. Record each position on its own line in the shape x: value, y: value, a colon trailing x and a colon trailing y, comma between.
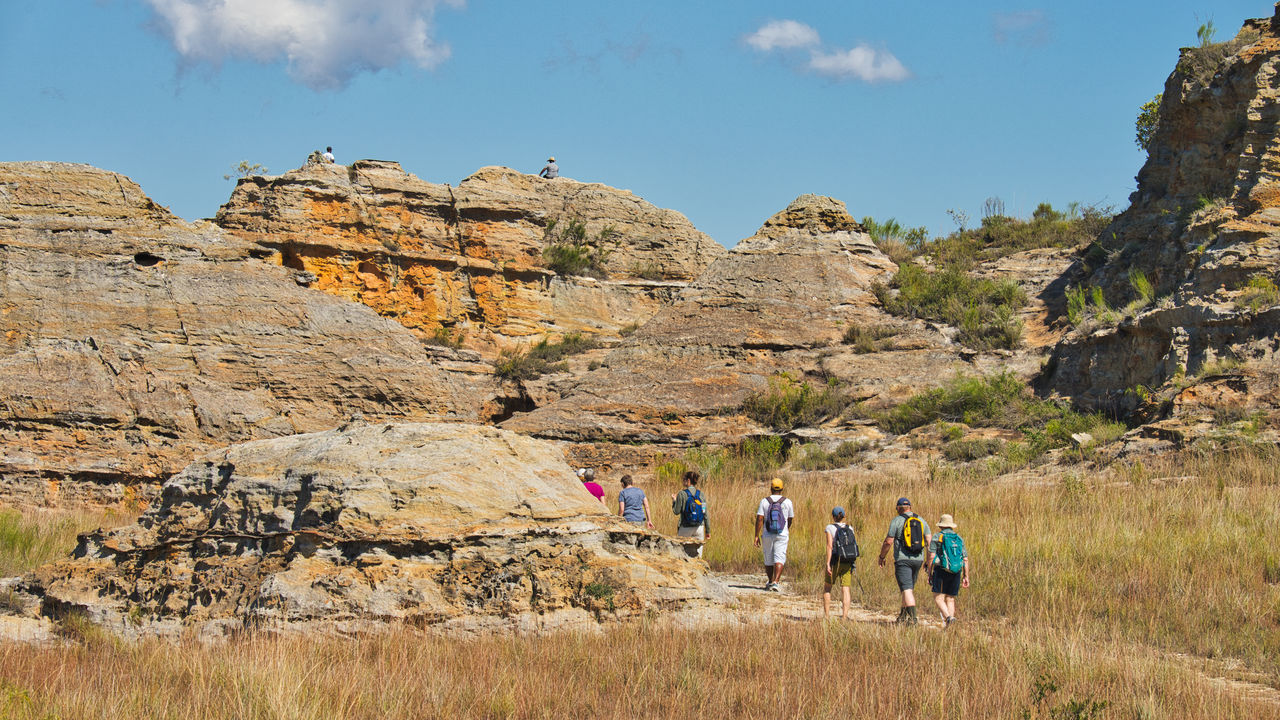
x: 928, y: 560
x: 648, y: 518
x: 830, y: 546
x: 622, y: 505
x: 759, y: 528
x: 964, y: 576
x: 676, y: 505
x: 884, y: 549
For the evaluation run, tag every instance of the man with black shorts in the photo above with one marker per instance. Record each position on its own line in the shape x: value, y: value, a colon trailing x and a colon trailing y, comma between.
x: 908, y: 535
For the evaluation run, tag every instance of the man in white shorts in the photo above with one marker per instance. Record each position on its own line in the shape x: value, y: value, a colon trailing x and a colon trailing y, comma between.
x: 773, y: 524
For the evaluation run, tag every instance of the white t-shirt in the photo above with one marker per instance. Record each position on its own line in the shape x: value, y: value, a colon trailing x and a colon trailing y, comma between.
x: 787, y: 510
x: 831, y: 529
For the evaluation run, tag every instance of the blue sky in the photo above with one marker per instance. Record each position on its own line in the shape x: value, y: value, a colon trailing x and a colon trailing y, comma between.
x: 725, y: 111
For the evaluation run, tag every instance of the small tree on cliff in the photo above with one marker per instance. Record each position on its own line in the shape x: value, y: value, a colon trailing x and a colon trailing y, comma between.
x: 1148, y: 121
x: 245, y: 169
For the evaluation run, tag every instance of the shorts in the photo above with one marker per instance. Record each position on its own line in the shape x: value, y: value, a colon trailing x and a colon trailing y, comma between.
x: 775, y: 548
x: 841, y: 574
x: 694, y: 531
x: 906, y: 571
x: 944, y: 582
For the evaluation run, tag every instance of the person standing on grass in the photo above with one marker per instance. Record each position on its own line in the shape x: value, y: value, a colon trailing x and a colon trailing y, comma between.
x: 588, y: 478
x: 633, y: 506
x: 691, y: 506
x: 948, y: 568
x: 908, y: 535
x: 774, y: 518
x: 842, y: 553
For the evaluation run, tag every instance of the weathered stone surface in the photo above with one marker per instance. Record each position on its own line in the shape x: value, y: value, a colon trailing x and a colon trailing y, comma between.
x: 134, y: 341
x: 1204, y: 220
x: 774, y: 303
x: 450, y: 526
x: 467, y: 261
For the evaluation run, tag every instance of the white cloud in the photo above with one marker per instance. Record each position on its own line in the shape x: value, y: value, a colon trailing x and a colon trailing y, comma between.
x: 1024, y: 27
x: 862, y: 62
x: 859, y: 63
x: 325, y: 42
x: 783, y: 35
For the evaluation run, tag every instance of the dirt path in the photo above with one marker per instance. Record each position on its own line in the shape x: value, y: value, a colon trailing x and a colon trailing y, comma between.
x: 755, y: 604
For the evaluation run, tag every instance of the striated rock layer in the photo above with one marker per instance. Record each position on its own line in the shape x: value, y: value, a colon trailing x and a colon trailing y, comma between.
x: 133, y: 341
x: 455, y: 527
x: 1204, y: 228
x: 466, y: 262
x: 778, y: 302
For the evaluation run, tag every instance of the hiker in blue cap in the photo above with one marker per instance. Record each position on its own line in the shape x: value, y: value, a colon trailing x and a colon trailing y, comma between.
x: 909, y: 536
x: 842, y: 553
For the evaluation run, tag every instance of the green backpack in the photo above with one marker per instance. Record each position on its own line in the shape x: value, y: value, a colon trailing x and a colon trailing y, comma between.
x: 950, y: 552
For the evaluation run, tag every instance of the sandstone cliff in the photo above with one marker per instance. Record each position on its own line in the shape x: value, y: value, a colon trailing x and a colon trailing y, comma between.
x: 466, y: 262
x: 1204, y: 227
x: 454, y: 527
x: 134, y: 341
x: 780, y: 301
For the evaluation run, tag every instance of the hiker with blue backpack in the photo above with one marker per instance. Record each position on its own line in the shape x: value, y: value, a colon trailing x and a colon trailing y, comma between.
x: 774, y: 517
x: 948, y: 568
x: 842, y: 555
x: 909, y: 536
x: 691, y: 506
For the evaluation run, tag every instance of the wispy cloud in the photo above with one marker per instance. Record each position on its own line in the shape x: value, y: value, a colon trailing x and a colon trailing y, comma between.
x: 783, y: 34
x: 1024, y: 27
x: 324, y: 42
x: 861, y: 62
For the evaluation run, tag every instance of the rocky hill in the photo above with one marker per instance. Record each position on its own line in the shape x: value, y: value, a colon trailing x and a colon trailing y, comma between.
x: 134, y: 341
x: 453, y: 527
x: 1203, y: 229
x: 466, y: 263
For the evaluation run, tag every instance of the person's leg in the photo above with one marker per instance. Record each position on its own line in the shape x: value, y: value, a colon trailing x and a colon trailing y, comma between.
x: 844, y: 614
x: 777, y: 572
x: 766, y: 547
x: 951, y: 606
x: 826, y: 599
x: 941, y: 600
x: 779, y: 556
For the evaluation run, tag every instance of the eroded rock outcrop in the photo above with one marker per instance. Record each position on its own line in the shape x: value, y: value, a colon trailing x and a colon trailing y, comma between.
x: 134, y: 341
x: 1204, y: 228
x: 452, y: 526
x: 467, y: 262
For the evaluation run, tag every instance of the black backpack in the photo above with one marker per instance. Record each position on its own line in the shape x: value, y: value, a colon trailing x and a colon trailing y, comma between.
x: 844, y: 548
x: 913, y: 535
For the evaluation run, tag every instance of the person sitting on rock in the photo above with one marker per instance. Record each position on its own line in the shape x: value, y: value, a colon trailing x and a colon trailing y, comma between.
x: 551, y: 170
x: 633, y: 506
x: 588, y: 478
x: 328, y: 155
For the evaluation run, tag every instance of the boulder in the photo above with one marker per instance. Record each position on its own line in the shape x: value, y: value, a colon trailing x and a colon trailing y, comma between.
x: 453, y: 527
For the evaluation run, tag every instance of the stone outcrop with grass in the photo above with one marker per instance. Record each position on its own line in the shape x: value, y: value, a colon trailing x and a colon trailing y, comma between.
x: 454, y: 527
x: 134, y: 341
x: 1175, y: 306
x: 489, y: 263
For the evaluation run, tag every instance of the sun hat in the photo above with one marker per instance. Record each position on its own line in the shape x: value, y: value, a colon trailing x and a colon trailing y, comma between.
x: 947, y: 522
x: 582, y: 472
x: 904, y: 501
x: 837, y: 511
x: 776, y: 484
x: 551, y: 159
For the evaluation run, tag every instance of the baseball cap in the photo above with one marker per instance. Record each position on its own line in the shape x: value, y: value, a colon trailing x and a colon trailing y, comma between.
x: 837, y: 511
x: 904, y: 501
x: 776, y: 484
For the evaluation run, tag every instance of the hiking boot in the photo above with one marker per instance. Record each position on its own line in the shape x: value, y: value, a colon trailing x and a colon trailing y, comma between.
x: 950, y: 620
x: 767, y: 586
x: 775, y: 587
x: 902, y: 617
x: 911, y: 615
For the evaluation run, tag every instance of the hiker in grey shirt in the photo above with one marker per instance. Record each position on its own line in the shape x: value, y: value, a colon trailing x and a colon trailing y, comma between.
x: 551, y: 170
x: 906, y: 563
x: 633, y: 506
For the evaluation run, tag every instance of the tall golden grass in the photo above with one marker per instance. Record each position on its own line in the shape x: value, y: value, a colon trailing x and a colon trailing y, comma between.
x: 1120, y: 588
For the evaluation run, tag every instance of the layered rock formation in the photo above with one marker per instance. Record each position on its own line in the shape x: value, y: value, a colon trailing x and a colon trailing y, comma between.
x: 134, y: 341
x: 778, y: 302
x: 467, y: 262
x: 1204, y: 227
x: 455, y: 527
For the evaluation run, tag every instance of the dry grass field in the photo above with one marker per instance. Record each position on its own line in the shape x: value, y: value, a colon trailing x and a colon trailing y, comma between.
x: 1131, y: 592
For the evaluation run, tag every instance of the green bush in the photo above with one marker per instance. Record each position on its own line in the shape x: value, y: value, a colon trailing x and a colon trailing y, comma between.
x: 895, y: 240
x: 813, y: 457
x: 1260, y: 292
x: 1148, y: 121
x: 1000, y: 235
x: 571, y: 250
x: 965, y: 450
x: 866, y: 339
x: 789, y: 403
x: 542, y: 358
x: 983, y: 310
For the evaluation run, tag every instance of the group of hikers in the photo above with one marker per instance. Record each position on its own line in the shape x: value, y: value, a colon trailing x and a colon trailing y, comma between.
x: 911, y: 540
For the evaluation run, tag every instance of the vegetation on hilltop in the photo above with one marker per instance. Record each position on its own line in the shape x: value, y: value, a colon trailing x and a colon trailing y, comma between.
x: 571, y: 250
